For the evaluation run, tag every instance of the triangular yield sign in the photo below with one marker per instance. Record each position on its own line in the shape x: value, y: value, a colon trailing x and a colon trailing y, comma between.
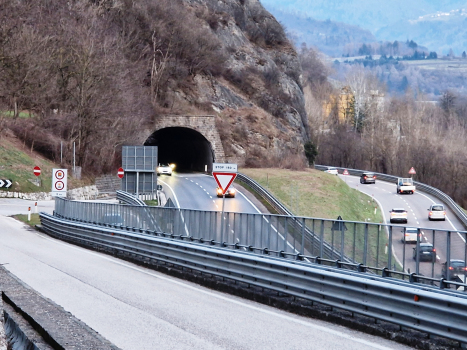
x: 224, y: 180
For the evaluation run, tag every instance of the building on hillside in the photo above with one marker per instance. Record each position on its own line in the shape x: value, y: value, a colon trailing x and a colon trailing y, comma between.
x: 342, y: 105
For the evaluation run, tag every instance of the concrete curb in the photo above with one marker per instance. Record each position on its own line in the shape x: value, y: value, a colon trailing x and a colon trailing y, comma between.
x: 35, y: 320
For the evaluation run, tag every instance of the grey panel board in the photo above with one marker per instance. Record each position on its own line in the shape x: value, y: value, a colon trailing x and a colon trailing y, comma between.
x: 139, y: 158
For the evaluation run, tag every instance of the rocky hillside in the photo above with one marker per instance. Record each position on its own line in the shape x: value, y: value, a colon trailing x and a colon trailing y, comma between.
x: 94, y: 72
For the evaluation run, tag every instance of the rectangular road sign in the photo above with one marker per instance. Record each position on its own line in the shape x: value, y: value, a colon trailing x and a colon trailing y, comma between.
x: 59, y: 182
x: 224, y: 168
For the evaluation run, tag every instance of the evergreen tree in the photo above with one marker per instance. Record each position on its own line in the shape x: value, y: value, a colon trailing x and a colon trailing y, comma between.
x: 310, y: 152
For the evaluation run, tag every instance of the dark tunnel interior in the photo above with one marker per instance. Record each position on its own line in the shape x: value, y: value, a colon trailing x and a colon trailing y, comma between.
x: 187, y: 148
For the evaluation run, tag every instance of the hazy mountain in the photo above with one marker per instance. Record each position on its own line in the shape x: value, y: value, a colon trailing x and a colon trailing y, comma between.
x: 367, y: 14
x: 442, y: 31
x: 328, y: 36
x: 437, y: 24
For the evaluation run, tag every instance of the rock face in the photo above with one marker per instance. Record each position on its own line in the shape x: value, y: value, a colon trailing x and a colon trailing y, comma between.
x: 259, y: 98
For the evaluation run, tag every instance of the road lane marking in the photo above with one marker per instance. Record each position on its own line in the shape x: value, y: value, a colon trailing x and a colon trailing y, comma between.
x: 178, y: 206
x: 450, y: 222
x: 265, y: 310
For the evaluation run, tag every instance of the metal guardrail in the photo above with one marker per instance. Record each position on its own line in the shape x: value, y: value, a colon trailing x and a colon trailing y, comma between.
x: 461, y: 215
x: 314, y: 239
x: 129, y: 198
x: 421, y: 307
x: 343, y: 243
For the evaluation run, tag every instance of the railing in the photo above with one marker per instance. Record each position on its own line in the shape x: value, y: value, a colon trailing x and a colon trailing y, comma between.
x: 379, y: 248
x: 409, y: 304
x: 461, y: 215
x: 309, y: 236
x: 129, y: 198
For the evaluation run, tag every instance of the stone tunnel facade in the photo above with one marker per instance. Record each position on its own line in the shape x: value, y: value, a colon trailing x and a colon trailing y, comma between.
x: 205, y: 125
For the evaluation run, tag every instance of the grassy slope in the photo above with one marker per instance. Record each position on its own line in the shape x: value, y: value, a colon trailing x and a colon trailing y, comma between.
x: 318, y: 194
x: 17, y: 164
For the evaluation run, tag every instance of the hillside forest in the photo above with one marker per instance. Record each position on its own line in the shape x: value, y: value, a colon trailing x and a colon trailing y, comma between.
x: 94, y: 72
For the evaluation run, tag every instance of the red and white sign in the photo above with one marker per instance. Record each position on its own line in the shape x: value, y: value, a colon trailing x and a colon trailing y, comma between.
x: 345, y: 172
x: 37, y: 171
x: 59, y: 182
x: 120, y: 173
x: 224, y: 180
x: 412, y: 171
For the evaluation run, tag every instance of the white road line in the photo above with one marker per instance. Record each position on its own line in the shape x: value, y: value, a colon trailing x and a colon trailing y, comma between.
x: 265, y: 310
x: 450, y: 222
x: 178, y: 206
x: 387, y: 230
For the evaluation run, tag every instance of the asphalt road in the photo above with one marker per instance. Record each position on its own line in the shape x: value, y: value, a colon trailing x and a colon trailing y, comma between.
x: 198, y: 191
x: 416, y: 205
x: 136, y: 308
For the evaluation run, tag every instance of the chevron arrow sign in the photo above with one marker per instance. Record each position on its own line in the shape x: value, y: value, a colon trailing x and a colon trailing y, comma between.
x: 5, y: 183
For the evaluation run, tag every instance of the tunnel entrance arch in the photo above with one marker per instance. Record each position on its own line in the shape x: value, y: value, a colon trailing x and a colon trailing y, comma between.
x: 191, y: 142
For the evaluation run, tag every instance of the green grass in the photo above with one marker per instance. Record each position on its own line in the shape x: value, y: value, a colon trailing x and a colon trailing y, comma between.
x: 151, y: 202
x: 313, y: 193
x: 17, y: 164
x: 35, y: 220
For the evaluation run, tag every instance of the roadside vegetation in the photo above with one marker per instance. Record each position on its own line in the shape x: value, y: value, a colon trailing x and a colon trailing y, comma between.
x: 35, y: 219
x: 17, y: 163
x: 316, y: 194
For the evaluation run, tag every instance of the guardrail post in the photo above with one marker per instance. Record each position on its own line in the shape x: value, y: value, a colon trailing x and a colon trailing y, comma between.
x: 365, y: 244
x: 303, y: 237
x: 390, y: 248
x: 321, y: 235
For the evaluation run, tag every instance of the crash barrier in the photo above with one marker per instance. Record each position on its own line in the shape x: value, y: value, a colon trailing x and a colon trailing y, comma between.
x: 444, y: 198
x: 129, y: 198
x: 405, y: 303
x: 310, y: 238
x: 379, y: 248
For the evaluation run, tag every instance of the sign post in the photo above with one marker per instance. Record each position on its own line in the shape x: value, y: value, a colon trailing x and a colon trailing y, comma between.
x: 120, y: 173
x: 59, y: 182
x: 224, y: 174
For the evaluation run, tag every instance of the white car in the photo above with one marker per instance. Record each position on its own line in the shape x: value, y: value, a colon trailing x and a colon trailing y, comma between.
x: 436, y: 212
x: 164, y: 169
x: 398, y: 215
x: 331, y: 170
x: 409, y: 235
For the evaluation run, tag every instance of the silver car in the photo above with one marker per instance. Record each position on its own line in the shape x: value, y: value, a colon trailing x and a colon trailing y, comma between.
x: 436, y: 212
x: 409, y: 235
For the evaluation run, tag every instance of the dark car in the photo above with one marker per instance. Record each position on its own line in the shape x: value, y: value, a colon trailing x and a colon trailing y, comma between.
x: 427, y: 252
x: 231, y: 191
x: 456, y: 268
x: 368, y: 178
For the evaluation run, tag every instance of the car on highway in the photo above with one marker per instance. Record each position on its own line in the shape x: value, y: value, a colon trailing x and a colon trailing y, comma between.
x: 331, y: 170
x: 231, y: 191
x: 368, y: 178
x: 409, y: 234
x: 425, y: 252
x: 164, y: 169
x: 456, y: 267
x: 398, y: 215
x: 436, y: 212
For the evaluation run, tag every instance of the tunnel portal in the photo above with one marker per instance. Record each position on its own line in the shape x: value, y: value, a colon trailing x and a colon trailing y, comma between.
x: 187, y: 148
